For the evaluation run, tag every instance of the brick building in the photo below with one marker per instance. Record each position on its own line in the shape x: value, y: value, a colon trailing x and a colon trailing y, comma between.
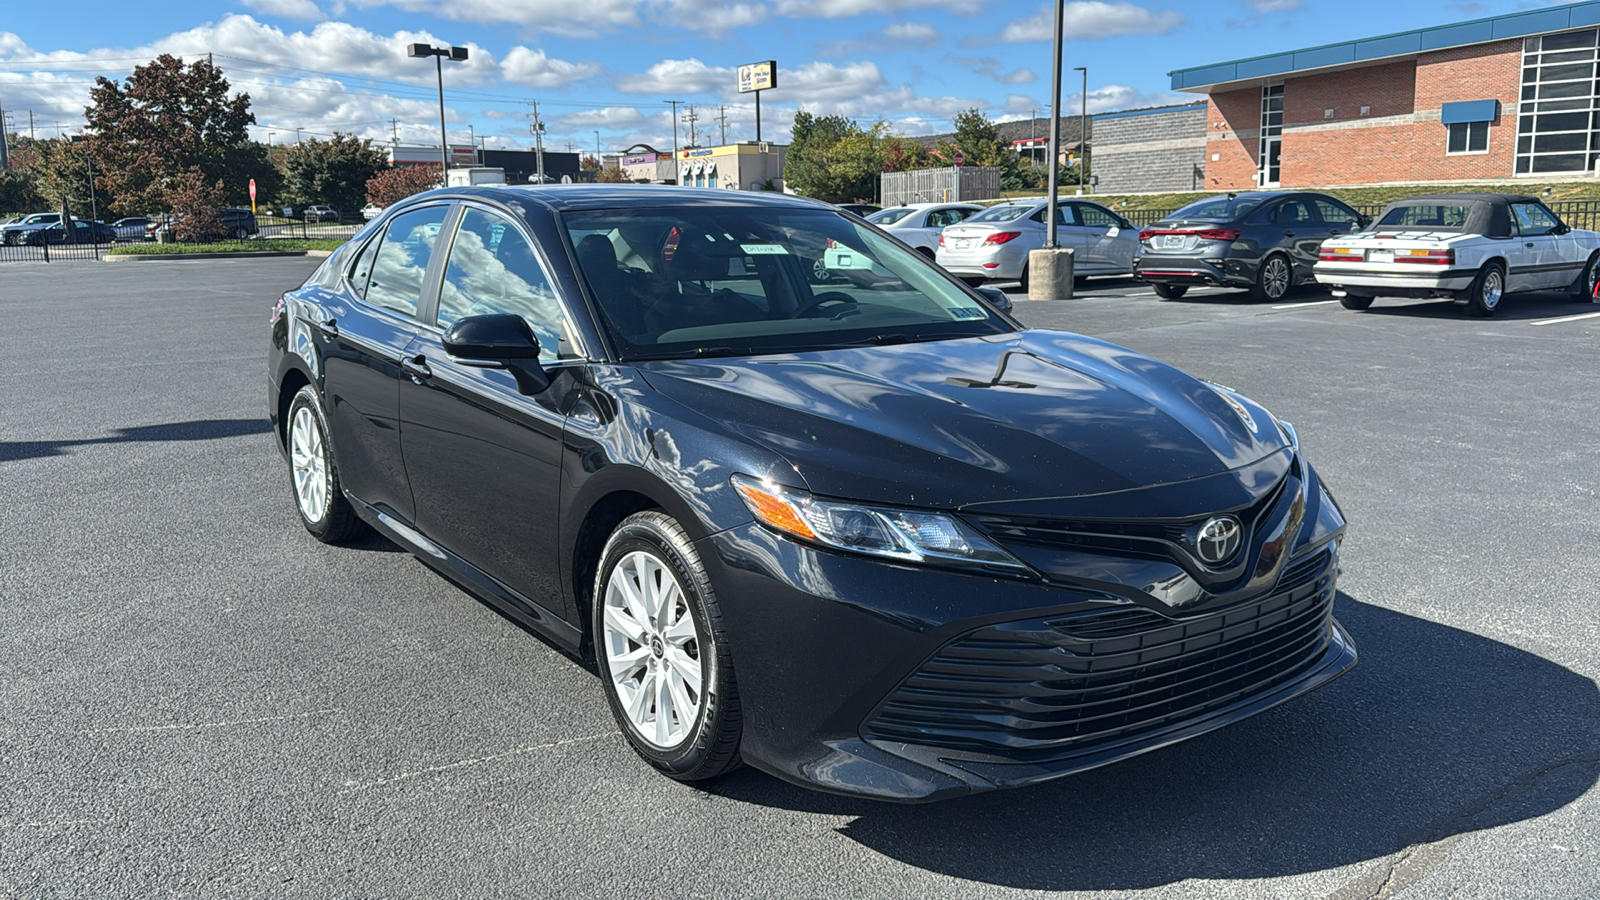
x: 1506, y: 97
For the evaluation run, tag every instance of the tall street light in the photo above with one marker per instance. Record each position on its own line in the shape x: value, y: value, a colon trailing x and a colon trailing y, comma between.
x: 439, y: 54
x: 1083, y: 127
x: 1055, y: 134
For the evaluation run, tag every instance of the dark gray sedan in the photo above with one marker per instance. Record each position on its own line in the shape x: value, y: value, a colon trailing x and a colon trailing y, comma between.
x: 1265, y: 241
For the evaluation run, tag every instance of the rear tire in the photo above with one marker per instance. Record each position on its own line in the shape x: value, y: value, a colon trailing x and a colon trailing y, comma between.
x: 1022, y: 279
x: 1356, y: 301
x: 660, y: 648
x: 314, y: 477
x: 1170, y: 291
x: 1274, y: 279
x: 1487, y: 290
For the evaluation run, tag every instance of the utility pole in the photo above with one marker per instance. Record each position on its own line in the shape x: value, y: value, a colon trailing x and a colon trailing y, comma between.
x: 538, y: 140
x: 1055, y: 136
x: 692, y: 116
x: 30, y: 125
x: 1083, y: 129
x: 674, y: 138
x: 394, y: 128
x: 597, y: 146
x: 1033, y: 134
x: 5, y: 140
x: 722, y: 123
x: 297, y: 137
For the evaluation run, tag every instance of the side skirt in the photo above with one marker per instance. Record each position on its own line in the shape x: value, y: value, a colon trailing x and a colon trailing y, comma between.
x: 472, y: 579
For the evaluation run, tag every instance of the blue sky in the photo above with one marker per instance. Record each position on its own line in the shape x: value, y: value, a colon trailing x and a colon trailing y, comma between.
x: 606, y: 66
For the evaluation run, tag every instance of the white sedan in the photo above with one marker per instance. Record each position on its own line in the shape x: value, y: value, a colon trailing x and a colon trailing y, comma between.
x: 1472, y: 248
x: 919, y: 224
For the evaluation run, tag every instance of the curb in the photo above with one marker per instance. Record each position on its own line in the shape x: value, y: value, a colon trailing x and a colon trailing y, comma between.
x: 240, y: 254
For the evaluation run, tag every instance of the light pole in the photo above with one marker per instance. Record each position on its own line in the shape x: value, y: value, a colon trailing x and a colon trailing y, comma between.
x: 1055, y: 135
x: 1083, y: 127
x: 439, y: 54
x: 675, y: 179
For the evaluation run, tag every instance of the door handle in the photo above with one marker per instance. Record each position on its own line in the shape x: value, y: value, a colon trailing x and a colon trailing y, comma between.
x: 1528, y: 244
x: 1288, y: 234
x: 416, y: 367
x: 329, y: 328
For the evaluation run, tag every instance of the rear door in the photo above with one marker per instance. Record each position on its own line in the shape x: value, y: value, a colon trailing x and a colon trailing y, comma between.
x: 1301, y: 232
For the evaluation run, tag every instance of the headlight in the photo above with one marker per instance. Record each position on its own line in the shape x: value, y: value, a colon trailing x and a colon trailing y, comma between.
x: 913, y: 536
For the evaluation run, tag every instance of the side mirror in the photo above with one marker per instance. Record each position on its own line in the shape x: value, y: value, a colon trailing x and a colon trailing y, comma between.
x: 1561, y: 228
x: 1000, y: 299
x: 1363, y: 221
x: 500, y: 341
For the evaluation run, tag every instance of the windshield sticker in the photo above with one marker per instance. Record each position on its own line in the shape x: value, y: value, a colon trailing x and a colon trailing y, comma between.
x: 967, y: 312
x: 765, y: 249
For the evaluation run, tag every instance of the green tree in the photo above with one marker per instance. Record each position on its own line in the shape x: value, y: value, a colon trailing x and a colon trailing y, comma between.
x: 978, y: 140
x: 19, y: 189
x: 61, y: 172
x: 335, y: 171
x: 167, y: 118
x: 393, y: 185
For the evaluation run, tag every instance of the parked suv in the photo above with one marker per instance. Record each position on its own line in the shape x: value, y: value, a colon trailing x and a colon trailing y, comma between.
x: 1262, y: 240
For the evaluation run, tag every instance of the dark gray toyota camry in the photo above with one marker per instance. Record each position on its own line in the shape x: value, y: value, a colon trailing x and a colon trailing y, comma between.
x: 870, y: 535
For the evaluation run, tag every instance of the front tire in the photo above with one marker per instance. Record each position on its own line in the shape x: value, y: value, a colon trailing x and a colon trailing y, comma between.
x: 1274, y: 279
x: 1169, y: 291
x: 662, y: 653
x: 1583, y: 288
x: 319, y: 498
x: 1487, y: 290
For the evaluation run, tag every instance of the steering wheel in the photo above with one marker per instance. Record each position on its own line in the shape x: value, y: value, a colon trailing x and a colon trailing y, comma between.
x: 814, y: 308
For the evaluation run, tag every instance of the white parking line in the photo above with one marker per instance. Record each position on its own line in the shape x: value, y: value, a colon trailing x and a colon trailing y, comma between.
x: 1303, y: 305
x: 1593, y: 315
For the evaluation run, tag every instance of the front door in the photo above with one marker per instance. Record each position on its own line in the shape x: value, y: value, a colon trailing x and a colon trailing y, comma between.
x: 1106, y: 248
x: 1544, y: 263
x: 483, y: 458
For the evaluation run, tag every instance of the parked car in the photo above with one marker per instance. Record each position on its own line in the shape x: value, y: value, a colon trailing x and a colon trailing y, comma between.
x: 12, y: 232
x: 236, y: 223
x: 876, y: 537
x: 318, y: 212
x: 83, y: 232
x: 1473, y: 248
x: 919, y: 224
x: 860, y: 209
x: 994, y: 244
x: 371, y: 211
x: 1265, y: 241
x: 132, y: 228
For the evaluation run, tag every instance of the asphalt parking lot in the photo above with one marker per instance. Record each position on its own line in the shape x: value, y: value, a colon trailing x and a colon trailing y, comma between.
x: 197, y: 699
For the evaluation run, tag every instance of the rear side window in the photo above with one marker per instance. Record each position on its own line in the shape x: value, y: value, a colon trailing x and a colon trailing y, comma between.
x: 1216, y: 208
x: 1002, y: 214
x: 1428, y: 216
x: 402, y: 259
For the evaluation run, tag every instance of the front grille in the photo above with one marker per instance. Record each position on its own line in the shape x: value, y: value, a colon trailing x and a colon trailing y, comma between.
x: 1041, y: 688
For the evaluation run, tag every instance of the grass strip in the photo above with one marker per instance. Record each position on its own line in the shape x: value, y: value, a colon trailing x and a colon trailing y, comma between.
x: 275, y: 245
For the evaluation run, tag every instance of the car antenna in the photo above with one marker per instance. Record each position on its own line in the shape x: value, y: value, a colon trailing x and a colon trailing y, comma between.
x: 1232, y: 195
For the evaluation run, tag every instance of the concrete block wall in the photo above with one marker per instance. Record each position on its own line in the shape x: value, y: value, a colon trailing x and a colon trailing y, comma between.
x: 1153, y: 152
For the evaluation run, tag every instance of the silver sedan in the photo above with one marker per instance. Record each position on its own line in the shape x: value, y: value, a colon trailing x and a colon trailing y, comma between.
x: 994, y: 245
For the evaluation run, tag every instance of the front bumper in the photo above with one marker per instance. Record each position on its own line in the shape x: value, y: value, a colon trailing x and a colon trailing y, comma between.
x: 914, y: 684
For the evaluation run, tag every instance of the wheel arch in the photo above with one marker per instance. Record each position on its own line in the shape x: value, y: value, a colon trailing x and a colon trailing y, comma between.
x: 290, y: 384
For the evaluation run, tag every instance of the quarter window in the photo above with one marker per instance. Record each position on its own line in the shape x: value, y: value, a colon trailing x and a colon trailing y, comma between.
x: 402, y: 260
x: 493, y: 270
x: 1468, y: 137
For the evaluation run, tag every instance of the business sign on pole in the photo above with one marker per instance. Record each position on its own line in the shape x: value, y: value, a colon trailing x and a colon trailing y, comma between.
x: 759, y: 76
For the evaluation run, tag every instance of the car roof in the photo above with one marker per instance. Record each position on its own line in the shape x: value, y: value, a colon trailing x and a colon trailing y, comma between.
x: 1493, y: 199
x: 563, y: 197
x: 931, y: 205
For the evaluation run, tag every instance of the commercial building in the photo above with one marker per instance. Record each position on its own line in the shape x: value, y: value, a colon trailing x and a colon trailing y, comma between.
x: 1149, y: 150
x: 1506, y: 97
x: 747, y: 166
x: 521, y: 166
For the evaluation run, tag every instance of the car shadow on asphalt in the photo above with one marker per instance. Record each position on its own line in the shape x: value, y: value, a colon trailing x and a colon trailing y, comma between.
x: 1516, y: 307
x: 1437, y: 732
x: 200, y: 430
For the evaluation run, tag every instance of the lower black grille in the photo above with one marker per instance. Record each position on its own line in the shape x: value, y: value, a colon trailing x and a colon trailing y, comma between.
x: 1047, y: 687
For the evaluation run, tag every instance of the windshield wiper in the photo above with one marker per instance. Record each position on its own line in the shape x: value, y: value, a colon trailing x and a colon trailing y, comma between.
x: 689, y: 353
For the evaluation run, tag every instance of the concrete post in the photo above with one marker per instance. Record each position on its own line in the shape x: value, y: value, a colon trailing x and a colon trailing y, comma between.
x: 1050, y: 274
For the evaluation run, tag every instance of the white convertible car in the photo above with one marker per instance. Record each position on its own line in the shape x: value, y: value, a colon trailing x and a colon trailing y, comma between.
x: 1473, y: 248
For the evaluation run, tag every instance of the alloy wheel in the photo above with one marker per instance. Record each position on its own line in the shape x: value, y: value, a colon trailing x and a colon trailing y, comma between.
x: 1593, y: 279
x: 1275, y: 278
x: 653, y: 650
x: 1493, y: 288
x: 309, y: 465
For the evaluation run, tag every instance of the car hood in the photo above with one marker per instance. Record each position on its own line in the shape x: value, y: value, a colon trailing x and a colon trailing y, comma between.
x: 953, y: 424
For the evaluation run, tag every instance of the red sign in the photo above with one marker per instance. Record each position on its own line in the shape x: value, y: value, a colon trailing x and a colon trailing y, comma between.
x: 961, y: 158
x: 252, y: 189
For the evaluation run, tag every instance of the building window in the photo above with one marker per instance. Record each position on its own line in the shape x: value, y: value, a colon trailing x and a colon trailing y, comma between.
x: 1271, y: 134
x: 1468, y: 137
x: 1558, y: 118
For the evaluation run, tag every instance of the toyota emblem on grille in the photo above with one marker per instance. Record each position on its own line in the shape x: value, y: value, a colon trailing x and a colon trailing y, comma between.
x: 1218, y: 539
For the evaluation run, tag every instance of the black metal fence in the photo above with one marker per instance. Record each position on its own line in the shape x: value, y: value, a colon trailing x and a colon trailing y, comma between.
x: 50, y: 252
x: 269, y: 229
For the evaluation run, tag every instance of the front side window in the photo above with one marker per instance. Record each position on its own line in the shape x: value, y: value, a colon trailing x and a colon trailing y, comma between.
x: 1334, y: 213
x: 493, y: 270
x: 402, y: 260
x: 684, y: 282
x: 889, y: 216
x: 1533, y: 220
x: 1095, y: 217
x: 1468, y: 137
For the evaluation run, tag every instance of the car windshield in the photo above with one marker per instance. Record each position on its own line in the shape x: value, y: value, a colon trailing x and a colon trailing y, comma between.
x: 890, y: 216
x: 1217, y: 208
x: 1452, y: 216
x: 678, y: 282
x: 1008, y: 213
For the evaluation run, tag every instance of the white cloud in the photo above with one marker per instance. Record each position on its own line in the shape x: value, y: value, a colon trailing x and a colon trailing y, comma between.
x: 989, y: 67
x: 672, y: 77
x: 555, y: 16
x: 898, y: 36
x: 531, y: 68
x: 835, y: 9
x: 1091, y: 20
x: 287, y: 9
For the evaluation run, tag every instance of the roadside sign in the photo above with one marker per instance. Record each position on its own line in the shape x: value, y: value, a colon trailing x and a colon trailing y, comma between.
x: 960, y: 158
x: 761, y: 76
x: 252, y: 196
